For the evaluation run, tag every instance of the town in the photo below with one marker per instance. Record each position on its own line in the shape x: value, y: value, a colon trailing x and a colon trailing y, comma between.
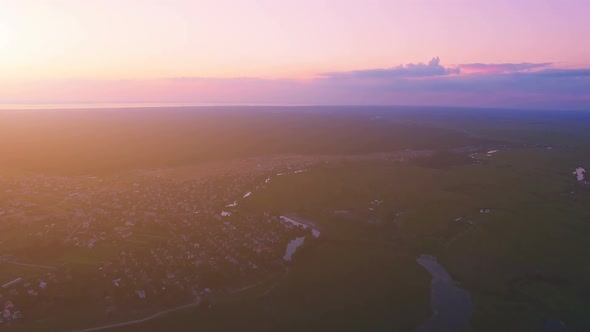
x: 119, y: 246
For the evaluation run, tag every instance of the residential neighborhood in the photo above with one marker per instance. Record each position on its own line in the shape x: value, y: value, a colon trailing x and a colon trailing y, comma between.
x: 132, y: 245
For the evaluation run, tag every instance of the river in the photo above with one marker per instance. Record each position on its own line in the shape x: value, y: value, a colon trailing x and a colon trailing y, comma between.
x: 297, y: 242
x: 451, y: 304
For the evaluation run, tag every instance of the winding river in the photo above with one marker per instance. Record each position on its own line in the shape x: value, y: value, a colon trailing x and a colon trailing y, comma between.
x: 297, y: 242
x: 451, y: 304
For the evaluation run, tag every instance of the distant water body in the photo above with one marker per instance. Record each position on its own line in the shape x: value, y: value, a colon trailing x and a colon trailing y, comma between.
x: 123, y: 105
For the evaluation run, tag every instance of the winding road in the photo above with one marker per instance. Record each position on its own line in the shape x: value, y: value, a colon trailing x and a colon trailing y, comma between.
x: 137, y: 321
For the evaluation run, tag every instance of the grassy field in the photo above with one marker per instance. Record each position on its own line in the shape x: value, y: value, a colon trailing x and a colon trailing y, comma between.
x: 523, y: 263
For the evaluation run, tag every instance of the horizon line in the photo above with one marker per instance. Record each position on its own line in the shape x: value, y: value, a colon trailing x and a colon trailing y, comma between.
x: 176, y: 105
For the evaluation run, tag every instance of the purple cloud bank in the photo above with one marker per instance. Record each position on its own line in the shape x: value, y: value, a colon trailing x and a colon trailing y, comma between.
x: 433, y: 68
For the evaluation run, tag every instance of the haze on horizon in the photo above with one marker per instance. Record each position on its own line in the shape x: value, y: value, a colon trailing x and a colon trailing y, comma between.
x: 521, y: 54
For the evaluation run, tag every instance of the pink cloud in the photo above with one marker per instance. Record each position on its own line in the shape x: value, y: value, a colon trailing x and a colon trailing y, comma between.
x: 489, y: 68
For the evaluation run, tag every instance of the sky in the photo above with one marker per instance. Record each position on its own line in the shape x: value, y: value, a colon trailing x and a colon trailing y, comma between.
x: 496, y: 53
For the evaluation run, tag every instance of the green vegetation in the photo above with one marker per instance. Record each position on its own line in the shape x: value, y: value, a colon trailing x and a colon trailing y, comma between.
x: 523, y: 263
x: 90, y: 141
x: 511, y: 227
x: 333, y: 286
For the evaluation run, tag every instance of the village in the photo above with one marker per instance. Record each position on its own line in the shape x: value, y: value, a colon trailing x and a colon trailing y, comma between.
x: 136, y: 245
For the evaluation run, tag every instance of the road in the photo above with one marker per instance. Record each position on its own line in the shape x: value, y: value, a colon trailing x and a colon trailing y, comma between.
x: 187, y: 306
x: 29, y: 265
x: 143, y: 320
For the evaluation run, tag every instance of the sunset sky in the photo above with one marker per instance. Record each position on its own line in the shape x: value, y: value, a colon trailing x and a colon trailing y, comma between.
x: 500, y: 53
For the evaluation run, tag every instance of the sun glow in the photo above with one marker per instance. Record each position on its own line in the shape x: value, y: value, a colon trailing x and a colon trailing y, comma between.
x: 8, y: 33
